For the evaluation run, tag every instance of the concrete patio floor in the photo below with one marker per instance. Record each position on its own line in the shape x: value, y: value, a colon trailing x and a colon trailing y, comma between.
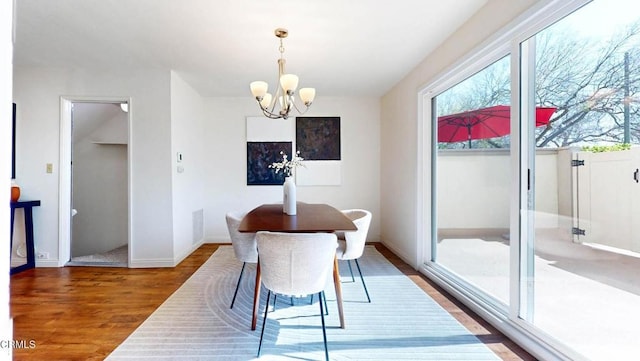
x: 585, y: 296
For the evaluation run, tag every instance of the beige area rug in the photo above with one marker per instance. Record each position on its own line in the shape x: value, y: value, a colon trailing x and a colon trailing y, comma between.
x: 401, y: 323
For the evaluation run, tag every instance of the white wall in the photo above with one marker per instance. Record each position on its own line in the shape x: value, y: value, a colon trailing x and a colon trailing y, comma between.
x: 37, y: 93
x: 187, y: 138
x: 474, y: 186
x: 225, y: 163
x: 168, y: 117
x: 399, y: 127
x: 549, y: 186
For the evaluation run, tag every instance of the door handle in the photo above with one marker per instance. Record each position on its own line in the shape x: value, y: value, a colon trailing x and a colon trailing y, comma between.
x: 635, y: 175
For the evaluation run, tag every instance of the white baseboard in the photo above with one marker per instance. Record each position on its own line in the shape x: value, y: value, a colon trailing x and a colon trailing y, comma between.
x: 151, y: 263
x: 186, y: 254
x: 141, y: 263
x: 47, y: 263
x: 137, y: 263
x: 218, y: 239
x: 410, y: 260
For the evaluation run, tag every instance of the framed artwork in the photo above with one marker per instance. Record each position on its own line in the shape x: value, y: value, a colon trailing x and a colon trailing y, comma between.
x: 318, y: 138
x: 259, y: 156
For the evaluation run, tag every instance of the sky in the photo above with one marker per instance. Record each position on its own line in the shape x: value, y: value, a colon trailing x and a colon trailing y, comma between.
x: 603, y: 17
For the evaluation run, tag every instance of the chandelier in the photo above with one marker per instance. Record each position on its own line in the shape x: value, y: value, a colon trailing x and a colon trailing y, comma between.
x: 283, y: 97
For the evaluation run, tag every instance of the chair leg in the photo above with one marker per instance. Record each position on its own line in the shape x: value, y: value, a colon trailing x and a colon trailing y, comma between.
x: 324, y: 332
x: 264, y: 322
x: 275, y: 296
x: 351, y: 271
x: 324, y: 299
x: 363, y: 284
x: 238, y: 284
x: 326, y: 308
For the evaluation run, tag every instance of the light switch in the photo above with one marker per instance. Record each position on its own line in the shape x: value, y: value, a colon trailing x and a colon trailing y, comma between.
x: 179, y: 157
x: 49, y: 168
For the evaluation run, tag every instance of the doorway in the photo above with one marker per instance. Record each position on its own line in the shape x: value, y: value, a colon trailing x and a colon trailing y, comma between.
x: 94, y: 206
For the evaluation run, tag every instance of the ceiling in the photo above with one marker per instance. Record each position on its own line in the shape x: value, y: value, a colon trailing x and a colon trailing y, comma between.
x: 88, y: 117
x: 342, y: 48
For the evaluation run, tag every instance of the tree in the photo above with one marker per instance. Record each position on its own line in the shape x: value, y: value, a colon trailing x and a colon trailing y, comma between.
x: 587, y: 87
x: 584, y: 78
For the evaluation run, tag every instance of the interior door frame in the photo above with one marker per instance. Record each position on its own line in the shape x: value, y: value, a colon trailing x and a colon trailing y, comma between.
x: 66, y: 144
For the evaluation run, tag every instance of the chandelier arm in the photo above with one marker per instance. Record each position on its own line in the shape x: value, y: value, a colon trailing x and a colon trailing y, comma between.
x: 269, y: 114
x: 272, y: 114
x: 274, y: 100
x: 288, y: 103
x: 266, y: 111
x: 298, y: 109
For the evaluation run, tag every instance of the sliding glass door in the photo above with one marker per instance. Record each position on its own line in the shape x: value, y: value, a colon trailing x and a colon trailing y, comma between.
x: 585, y: 253
x: 473, y: 176
x: 535, y: 181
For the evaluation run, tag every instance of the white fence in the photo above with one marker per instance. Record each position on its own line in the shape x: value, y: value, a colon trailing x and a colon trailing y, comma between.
x: 596, y: 201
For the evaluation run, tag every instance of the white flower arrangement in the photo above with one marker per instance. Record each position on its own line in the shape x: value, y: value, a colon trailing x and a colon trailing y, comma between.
x: 287, y: 166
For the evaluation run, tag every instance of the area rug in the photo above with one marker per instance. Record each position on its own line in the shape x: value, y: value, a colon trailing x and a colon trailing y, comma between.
x: 401, y: 323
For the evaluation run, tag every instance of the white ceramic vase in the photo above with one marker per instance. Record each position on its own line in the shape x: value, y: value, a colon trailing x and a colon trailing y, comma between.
x: 289, y: 196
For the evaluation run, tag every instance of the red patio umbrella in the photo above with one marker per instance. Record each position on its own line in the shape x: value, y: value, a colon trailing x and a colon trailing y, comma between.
x: 483, y: 123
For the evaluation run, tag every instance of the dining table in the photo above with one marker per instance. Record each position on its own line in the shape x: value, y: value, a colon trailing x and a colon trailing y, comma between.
x: 309, y: 218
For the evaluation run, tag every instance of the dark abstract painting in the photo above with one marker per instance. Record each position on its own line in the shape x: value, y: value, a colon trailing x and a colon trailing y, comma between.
x: 318, y: 138
x: 259, y: 156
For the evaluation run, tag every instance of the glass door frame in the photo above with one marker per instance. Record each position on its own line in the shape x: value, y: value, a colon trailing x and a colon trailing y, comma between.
x: 513, y: 40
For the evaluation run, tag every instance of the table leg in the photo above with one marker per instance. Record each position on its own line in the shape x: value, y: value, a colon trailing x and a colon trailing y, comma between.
x: 336, y: 282
x: 13, y: 216
x: 29, y: 242
x: 256, y: 297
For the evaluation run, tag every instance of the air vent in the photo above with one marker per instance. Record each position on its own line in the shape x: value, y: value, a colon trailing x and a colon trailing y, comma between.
x: 198, y: 226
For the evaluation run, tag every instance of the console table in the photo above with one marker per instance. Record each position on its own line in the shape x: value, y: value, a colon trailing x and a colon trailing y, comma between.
x: 28, y: 230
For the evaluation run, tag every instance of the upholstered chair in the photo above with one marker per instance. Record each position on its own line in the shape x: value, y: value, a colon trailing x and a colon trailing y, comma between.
x: 351, y: 244
x: 244, y: 245
x: 296, y: 264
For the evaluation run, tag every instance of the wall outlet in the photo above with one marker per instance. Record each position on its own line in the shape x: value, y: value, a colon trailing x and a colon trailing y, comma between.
x: 43, y: 255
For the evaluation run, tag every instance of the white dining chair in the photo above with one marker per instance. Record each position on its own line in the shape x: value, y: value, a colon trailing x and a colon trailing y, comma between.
x: 296, y: 264
x: 244, y: 245
x: 351, y: 244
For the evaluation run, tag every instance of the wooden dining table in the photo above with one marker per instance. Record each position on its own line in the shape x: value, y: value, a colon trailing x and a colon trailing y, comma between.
x: 309, y: 218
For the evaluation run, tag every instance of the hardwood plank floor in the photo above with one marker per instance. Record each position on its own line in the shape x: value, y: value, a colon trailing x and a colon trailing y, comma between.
x: 84, y: 313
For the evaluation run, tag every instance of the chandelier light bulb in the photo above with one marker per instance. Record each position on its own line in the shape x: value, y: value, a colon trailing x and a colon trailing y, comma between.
x: 289, y: 82
x: 307, y: 95
x: 266, y: 100
x: 259, y: 88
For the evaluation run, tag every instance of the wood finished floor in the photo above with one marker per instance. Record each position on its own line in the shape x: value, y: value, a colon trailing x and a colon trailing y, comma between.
x: 84, y: 313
